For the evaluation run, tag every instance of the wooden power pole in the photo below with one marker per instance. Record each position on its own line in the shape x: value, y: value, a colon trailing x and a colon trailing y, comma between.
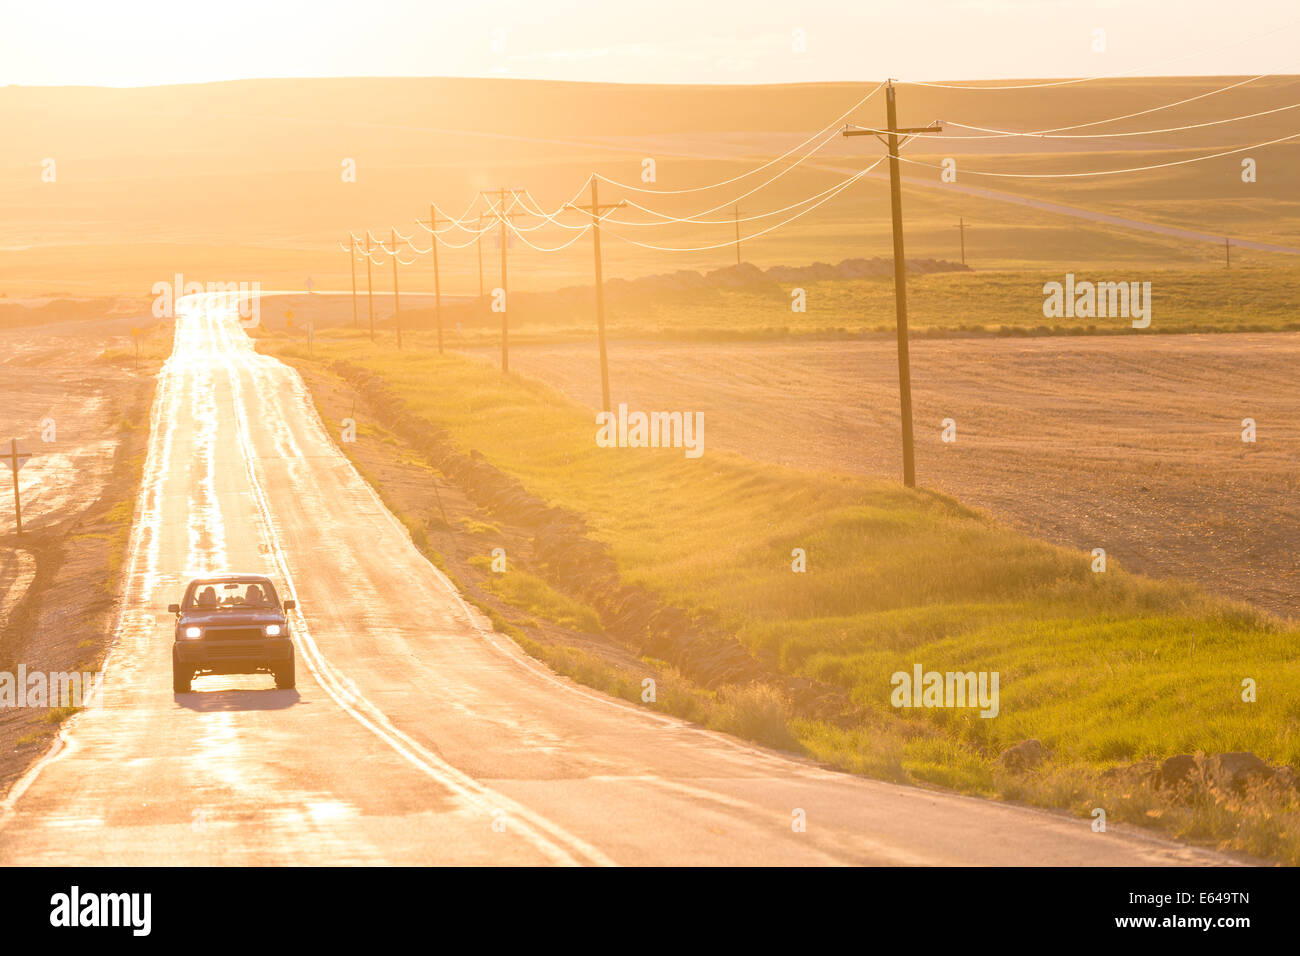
x: 595, y: 209
x: 16, y: 459
x: 437, y: 284
x: 397, y: 302
x: 480, y: 255
x: 480, y: 243
x: 503, y: 215
x: 900, y: 269
x: 352, y: 255
x: 735, y: 212
x: 370, y: 289
x: 961, y: 227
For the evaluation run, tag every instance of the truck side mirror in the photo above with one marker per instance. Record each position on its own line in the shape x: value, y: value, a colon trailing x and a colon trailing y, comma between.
x: 290, y: 605
x: 173, y: 609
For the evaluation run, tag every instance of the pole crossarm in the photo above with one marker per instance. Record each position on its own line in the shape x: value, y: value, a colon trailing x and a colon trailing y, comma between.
x: 908, y: 133
x: 435, y: 218
x: 16, y: 456
x: 595, y: 213
x: 499, y: 211
x: 907, y: 130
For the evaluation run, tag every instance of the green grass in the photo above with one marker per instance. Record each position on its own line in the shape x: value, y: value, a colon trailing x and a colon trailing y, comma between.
x: 533, y: 596
x: 1105, y: 669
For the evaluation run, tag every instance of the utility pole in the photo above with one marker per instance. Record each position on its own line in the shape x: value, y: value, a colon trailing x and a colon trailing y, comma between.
x: 504, y: 216
x: 505, y: 320
x: 1227, y: 252
x: 900, y: 268
x: 352, y: 255
x: 370, y: 289
x: 437, y: 290
x: 16, y: 459
x: 595, y: 210
x: 480, y: 255
x: 397, y: 302
x: 735, y: 210
x: 961, y: 225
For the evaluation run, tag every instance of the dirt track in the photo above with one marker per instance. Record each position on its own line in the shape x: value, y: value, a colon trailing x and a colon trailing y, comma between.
x: 1129, y: 444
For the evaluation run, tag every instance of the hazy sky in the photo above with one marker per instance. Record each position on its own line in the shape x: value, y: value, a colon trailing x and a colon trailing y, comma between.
x: 141, y: 42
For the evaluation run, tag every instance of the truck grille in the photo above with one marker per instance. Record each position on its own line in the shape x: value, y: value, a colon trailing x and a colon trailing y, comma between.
x: 233, y: 634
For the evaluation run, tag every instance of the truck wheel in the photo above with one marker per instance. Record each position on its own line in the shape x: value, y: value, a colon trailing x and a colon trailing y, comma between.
x: 181, y: 676
x: 284, y: 676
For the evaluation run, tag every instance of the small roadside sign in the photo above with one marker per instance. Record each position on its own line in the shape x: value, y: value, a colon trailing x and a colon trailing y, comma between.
x: 17, y: 455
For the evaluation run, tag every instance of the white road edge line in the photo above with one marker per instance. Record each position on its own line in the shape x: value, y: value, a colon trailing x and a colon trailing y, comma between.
x: 544, y: 834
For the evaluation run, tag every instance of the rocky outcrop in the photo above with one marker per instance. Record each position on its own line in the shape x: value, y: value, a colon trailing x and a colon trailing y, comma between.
x: 747, y: 276
x: 1177, y: 770
x: 1235, y: 772
x: 1025, y: 755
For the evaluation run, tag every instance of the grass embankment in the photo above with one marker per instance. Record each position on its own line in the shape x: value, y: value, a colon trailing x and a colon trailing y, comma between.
x: 1106, y: 669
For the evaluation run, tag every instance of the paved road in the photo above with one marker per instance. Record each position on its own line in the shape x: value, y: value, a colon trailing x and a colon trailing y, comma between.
x: 1062, y: 209
x: 1077, y: 212
x: 416, y: 734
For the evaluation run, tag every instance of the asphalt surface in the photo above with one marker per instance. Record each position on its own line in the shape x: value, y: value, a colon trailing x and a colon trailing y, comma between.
x: 416, y: 735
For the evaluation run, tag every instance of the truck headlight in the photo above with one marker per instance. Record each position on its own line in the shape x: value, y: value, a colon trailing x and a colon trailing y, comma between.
x: 273, y: 630
x: 193, y: 632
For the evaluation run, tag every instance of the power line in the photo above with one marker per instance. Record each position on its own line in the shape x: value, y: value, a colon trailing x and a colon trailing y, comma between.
x: 564, y: 245
x: 1113, y: 172
x: 672, y: 220
x: 537, y: 209
x: 1002, y: 134
x: 762, y: 232
x: 727, y: 182
x: 1046, y: 133
x: 729, y: 202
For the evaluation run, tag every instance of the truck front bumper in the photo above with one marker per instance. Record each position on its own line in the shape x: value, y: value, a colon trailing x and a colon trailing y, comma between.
x: 234, y: 657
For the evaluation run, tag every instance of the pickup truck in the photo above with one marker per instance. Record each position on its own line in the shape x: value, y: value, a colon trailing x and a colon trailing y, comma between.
x: 231, y: 624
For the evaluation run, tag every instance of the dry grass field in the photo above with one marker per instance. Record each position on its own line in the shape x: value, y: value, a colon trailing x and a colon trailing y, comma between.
x: 1134, y: 446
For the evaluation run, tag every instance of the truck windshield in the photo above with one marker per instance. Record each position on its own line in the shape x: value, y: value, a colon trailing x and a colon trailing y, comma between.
x: 219, y: 595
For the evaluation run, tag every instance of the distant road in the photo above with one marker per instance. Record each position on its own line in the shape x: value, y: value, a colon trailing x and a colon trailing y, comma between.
x: 1061, y: 209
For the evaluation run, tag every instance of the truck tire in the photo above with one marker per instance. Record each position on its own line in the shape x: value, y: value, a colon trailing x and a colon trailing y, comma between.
x: 284, y: 675
x: 181, y: 676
